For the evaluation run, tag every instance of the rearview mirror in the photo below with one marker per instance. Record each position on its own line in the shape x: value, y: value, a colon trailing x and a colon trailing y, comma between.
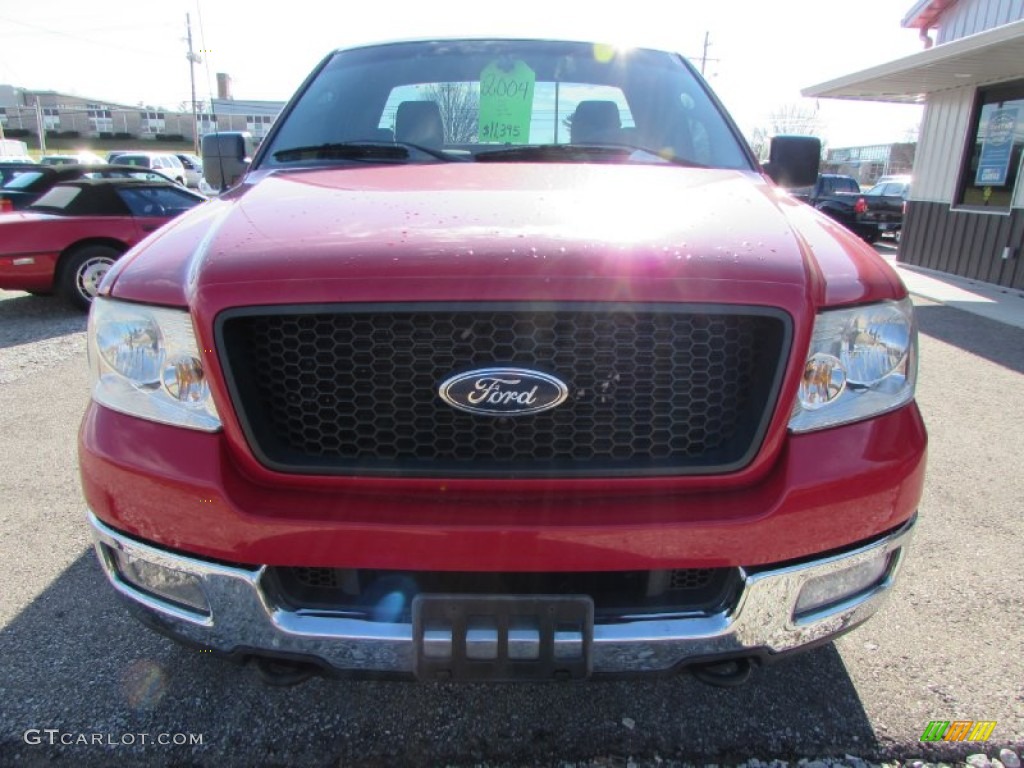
x: 226, y: 156
x: 793, y: 160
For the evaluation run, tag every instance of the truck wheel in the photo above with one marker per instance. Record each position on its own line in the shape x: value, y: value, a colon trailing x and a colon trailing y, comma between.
x: 83, y: 271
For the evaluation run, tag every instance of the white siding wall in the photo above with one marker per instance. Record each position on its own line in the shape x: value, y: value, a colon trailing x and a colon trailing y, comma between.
x: 941, y: 144
x: 967, y: 17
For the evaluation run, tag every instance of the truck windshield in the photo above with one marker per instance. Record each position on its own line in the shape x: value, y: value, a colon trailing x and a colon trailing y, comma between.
x: 503, y: 101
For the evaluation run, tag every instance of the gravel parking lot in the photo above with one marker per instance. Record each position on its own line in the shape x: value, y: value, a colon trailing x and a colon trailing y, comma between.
x: 36, y: 332
x: 80, y: 677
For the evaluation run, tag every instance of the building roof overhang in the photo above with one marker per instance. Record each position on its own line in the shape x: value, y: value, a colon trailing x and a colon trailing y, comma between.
x: 992, y: 56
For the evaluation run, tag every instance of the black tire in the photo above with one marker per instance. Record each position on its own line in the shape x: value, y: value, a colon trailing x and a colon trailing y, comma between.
x: 82, y: 272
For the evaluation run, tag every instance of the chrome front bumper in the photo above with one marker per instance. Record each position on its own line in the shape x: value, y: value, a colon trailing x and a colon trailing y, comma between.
x: 242, y: 619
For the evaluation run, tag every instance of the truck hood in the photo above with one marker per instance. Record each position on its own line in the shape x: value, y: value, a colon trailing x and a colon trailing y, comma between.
x: 502, y: 231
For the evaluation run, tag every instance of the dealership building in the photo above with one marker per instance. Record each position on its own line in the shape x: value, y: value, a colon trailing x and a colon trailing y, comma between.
x: 35, y: 116
x: 965, y: 214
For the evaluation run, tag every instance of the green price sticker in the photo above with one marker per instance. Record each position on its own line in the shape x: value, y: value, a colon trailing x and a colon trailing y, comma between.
x: 506, y: 103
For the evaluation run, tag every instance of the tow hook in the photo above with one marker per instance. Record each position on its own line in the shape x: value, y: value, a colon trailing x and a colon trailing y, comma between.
x: 724, y: 674
x: 283, y: 672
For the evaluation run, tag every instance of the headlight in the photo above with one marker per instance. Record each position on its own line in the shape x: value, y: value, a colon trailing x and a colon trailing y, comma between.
x: 145, y: 362
x: 862, y: 362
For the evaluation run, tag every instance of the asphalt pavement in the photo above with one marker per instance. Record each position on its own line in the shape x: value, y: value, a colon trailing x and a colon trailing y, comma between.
x: 82, y: 684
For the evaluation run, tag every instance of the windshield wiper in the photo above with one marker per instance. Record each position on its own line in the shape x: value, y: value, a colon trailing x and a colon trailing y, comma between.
x: 578, y: 153
x: 554, y: 152
x: 358, y: 150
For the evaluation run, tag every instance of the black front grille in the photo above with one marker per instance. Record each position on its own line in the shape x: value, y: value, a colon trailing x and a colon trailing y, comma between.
x: 354, y: 389
x: 368, y: 593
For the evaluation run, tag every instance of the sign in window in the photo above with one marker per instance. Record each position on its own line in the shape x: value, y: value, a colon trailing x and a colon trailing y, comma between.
x: 993, y: 158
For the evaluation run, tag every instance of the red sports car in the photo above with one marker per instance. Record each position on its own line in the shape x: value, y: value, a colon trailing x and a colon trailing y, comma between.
x: 68, y: 238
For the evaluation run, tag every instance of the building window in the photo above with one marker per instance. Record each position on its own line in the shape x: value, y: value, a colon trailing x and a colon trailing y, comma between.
x: 994, y: 144
x: 3, y: 117
x: 100, y: 119
x: 152, y: 123
x: 258, y: 125
x: 207, y: 123
x: 51, y: 119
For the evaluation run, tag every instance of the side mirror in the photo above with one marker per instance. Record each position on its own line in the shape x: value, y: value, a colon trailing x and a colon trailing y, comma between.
x: 793, y: 160
x: 226, y: 157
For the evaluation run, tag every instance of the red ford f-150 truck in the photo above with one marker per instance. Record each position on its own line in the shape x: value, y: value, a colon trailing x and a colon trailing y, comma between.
x: 501, y: 360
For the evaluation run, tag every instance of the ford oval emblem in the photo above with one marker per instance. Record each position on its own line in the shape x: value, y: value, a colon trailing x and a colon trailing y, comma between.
x: 503, y: 391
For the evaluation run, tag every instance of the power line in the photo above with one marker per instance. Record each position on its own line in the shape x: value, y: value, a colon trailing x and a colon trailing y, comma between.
x: 202, y: 42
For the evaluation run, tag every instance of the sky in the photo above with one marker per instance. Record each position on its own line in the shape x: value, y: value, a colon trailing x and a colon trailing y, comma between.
x: 760, y: 54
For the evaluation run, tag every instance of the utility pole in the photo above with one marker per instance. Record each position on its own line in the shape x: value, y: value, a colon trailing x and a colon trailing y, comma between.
x: 193, y: 59
x: 40, y: 126
x: 704, y: 56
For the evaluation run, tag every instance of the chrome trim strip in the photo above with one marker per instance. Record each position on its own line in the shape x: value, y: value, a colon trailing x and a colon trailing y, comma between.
x: 762, y: 619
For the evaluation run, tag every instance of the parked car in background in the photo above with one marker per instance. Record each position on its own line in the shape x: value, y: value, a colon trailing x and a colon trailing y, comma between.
x: 834, y: 195
x: 193, y: 169
x: 165, y: 162
x: 884, y: 205
x: 84, y: 158
x: 30, y: 182
x: 827, y: 188
x: 67, y: 239
x: 9, y: 170
x: 840, y: 197
x: 893, y: 185
x: 115, y: 152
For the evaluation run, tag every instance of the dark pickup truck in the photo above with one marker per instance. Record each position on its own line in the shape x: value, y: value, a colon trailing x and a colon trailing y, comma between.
x: 869, y: 214
x: 883, y: 205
